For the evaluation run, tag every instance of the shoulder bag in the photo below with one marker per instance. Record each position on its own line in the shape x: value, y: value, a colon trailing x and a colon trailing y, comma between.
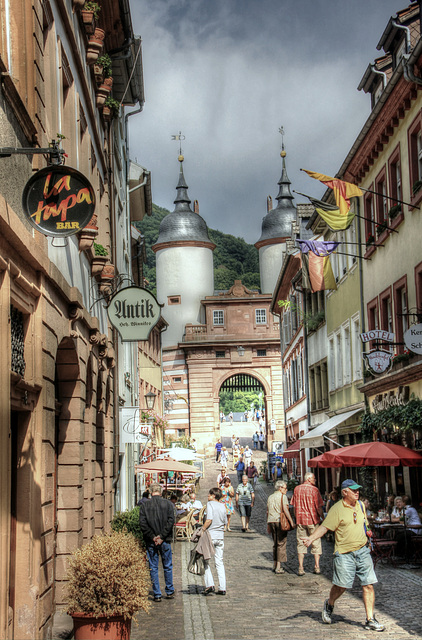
x: 284, y: 521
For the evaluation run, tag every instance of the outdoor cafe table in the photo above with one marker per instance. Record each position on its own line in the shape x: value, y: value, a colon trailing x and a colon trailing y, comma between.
x: 382, y: 526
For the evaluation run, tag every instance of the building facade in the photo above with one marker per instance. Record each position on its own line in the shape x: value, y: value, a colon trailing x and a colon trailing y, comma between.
x: 59, y: 385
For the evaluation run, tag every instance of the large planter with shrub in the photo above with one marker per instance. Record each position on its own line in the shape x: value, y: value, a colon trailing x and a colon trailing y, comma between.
x: 108, y: 581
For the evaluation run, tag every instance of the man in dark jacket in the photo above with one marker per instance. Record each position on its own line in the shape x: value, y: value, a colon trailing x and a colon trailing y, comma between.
x: 156, y: 518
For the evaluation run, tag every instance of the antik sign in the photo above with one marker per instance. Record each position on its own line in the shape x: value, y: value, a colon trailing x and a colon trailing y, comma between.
x: 134, y: 312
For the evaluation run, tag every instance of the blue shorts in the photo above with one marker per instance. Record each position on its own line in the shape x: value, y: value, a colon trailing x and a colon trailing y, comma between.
x: 245, y: 510
x: 347, y: 565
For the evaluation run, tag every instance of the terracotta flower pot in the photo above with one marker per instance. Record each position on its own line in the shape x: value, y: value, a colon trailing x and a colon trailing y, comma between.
x: 101, y: 96
x: 108, y: 81
x: 106, y: 114
x: 108, y: 272
x: 86, y: 237
x: 99, y: 34
x: 88, y: 627
x: 97, y: 265
x: 92, y: 53
x: 98, y: 73
x: 88, y: 21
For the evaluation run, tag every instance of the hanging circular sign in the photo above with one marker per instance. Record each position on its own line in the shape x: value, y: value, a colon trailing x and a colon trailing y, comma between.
x: 413, y: 338
x: 379, y: 361
x: 134, y: 312
x: 58, y: 201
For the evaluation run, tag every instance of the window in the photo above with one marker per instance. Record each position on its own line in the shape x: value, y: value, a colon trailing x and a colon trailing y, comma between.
x: 338, y: 355
x: 369, y: 216
x: 261, y: 353
x: 386, y: 314
x: 174, y: 300
x: 418, y: 287
x: 415, y: 157
x: 400, y: 311
x: 356, y: 349
x: 260, y: 316
x: 381, y: 200
x: 218, y: 318
x: 347, y: 362
x: 394, y: 169
x: 373, y: 322
x: 331, y: 364
x: 318, y: 386
x: 220, y: 354
x: 177, y: 379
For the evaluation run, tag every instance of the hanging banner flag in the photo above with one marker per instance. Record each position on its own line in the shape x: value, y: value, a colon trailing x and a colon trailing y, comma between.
x: 318, y: 272
x: 58, y: 201
x: 332, y: 215
x: 318, y: 247
x: 343, y: 191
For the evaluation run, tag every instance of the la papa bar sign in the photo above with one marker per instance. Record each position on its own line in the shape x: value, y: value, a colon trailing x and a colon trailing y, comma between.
x: 58, y: 201
x: 134, y: 312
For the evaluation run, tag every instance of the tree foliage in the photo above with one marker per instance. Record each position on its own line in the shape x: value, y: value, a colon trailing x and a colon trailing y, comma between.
x: 234, y: 259
x: 238, y: 401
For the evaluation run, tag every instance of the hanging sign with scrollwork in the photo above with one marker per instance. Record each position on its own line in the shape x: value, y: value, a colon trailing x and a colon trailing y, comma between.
x: 134, y: 312
x: 133, y: 431
x: 58, y: 201
x: 378, y: 360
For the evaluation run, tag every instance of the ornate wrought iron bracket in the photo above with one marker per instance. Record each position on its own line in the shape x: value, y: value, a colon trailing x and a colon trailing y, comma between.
x: 55, y: 153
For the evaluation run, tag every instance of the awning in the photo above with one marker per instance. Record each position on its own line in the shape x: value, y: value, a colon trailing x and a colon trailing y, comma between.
x: 293, y: 450
x: 315, y: 437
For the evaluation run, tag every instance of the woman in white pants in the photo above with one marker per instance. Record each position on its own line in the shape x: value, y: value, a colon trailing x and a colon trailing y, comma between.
x: 216, y: 521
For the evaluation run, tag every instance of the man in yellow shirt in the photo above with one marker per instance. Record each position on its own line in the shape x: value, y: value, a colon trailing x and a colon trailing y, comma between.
x: 347, y: 519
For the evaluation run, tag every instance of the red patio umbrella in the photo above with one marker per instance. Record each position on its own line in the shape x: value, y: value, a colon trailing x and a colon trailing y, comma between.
x: 371, y: 454
x: 321, y: 463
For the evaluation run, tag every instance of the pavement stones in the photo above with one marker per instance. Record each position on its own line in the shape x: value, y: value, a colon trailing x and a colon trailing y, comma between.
x: 260, y: 604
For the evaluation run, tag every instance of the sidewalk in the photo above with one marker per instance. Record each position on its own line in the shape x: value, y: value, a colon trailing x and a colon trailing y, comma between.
x: 260, y: 604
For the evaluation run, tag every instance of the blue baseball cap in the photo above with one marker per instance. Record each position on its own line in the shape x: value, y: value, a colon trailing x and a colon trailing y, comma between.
x: 350, y: 484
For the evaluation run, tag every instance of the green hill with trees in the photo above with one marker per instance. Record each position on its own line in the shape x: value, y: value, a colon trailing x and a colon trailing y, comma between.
x: 234, y: 259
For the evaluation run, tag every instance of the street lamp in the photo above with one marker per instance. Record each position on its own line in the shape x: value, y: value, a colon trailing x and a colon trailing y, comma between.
x: 240, y: 351
x: 150, y: 399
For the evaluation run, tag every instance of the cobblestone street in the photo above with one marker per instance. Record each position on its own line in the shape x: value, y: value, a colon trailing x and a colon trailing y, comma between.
x: 260, y: 604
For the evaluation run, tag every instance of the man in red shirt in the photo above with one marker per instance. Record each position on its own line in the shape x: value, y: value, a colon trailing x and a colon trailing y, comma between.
x: 307, y: 502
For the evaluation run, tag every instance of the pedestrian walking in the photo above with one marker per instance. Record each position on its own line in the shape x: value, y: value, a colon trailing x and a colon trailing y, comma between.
x: 221, y: 476
x: 277, y: 471
x: 352, y: 555
x: 240, y: 469
x: 231, y: 417
x: 218, y: 448
x: 156, y: 520
x: 245, y: 498
x: 307, y: 502
x: 261, y: 440
x: 252, y: 473
x: 215, y: 523
x: 255, y: 439
x: 247, y: 455
x: 224, y: 457
x: 227, y: 492
x: 233, y: 441
x: 236, y: 453
x: 277, y: 504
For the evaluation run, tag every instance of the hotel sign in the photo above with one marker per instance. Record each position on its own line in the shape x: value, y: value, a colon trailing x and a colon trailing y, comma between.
x: 58, y: 201
x: 134, y: 312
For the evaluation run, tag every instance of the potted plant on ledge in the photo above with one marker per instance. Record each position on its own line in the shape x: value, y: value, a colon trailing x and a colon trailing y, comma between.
x: 99, y: 260
x: 108, y: 581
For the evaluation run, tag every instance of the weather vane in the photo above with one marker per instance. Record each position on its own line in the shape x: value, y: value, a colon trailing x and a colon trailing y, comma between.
x: 281, y: 132
x: 179, y: 137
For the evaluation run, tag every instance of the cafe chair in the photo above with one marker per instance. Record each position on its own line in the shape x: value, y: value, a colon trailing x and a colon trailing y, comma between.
x: 183, y: 528
x: 383, y: 551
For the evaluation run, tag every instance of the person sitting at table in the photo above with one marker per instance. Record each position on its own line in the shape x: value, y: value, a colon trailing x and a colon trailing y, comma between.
x: 397, y: 511
x: 193, y: 502
x: 368, y: 508
x: 411, y: 515
x: 390, y: 504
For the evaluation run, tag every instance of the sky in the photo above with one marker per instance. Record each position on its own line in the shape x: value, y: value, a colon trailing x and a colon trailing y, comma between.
x: 228, y: 74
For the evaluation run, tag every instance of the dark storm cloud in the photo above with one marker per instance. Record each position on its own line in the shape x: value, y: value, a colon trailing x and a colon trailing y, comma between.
x: 229, y: 74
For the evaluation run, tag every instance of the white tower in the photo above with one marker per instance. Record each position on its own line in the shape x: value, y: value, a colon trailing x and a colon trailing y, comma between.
x: 184, y: 266
x: 276, y: 229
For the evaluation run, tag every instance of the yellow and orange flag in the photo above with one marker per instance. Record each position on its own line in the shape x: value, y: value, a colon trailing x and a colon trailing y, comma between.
x: 343, y: 191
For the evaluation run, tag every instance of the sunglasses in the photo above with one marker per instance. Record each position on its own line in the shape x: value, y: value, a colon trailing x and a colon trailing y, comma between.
x: 355, y: 517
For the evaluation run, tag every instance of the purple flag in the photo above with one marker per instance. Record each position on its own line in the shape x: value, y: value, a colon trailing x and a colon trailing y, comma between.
x: 320, y: 248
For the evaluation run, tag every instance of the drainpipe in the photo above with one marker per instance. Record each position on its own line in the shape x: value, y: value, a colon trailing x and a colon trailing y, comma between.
x: 408, y: 71
x: 380, y: 73
x: 407, y: 30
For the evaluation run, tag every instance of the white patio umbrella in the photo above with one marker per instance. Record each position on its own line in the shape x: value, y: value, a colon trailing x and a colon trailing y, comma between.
x: 180, y: 454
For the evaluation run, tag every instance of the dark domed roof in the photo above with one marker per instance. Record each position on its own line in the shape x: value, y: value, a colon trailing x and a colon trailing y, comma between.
x: 183, y: 224
x: 278, y: 222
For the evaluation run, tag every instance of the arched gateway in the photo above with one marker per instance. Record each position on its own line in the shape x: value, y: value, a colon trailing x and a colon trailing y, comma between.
x: 240, y: 337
